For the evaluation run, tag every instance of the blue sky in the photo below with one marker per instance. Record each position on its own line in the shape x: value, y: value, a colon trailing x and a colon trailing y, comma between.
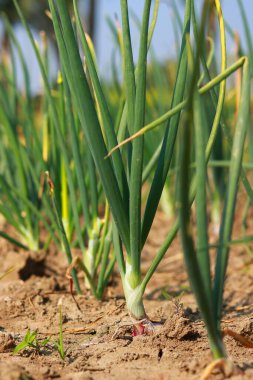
x: 163, y: 41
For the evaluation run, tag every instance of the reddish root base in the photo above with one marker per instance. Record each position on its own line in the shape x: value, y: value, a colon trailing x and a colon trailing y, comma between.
x: 138, y: 329
x: 144, y: 327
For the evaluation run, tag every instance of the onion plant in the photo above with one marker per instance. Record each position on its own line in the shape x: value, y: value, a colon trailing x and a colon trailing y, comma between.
x: 21, y: 154
x: 122, y: 171
x: 208, y: 291
x: 80, y: 212
x: 87, y: 226
x: 95, y: 144
x: 121, y: 174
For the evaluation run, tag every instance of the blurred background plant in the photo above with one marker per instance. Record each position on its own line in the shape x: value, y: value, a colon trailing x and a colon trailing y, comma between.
x: 34, y: 12
x: 41, y: 134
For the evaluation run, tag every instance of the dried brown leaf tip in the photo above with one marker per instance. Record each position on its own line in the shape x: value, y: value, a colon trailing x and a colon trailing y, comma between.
x: 50, y: 182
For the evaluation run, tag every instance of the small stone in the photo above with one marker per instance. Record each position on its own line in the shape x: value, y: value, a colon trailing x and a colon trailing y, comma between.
x: 193, y: 366
x: 7, y: 299
x: 102, y: 330
x: 39, y: 300
x: 45, y: 370
x: 7, y: 342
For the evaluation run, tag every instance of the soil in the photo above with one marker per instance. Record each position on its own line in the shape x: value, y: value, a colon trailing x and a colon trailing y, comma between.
x: 98, y: 338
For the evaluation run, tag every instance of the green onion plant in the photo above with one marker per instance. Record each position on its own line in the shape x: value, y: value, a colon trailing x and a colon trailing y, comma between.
x: 209, y: 291
x: 121, y: 173
x: 109, y: 157
x: 43, y: 135
x: 21, y: 155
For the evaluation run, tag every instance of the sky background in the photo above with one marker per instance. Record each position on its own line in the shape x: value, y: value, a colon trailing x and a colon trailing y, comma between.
x: 163, y: 40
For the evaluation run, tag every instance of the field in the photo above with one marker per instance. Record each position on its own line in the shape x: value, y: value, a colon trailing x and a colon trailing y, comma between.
x: 126, y: 205
x: 178, y: 349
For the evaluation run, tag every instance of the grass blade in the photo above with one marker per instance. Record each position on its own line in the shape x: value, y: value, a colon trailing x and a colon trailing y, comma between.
x: 229, y: 207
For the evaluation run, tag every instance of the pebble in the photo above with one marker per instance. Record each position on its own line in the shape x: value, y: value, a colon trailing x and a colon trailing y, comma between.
x: 102, y: 330
x: 45, y: 370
